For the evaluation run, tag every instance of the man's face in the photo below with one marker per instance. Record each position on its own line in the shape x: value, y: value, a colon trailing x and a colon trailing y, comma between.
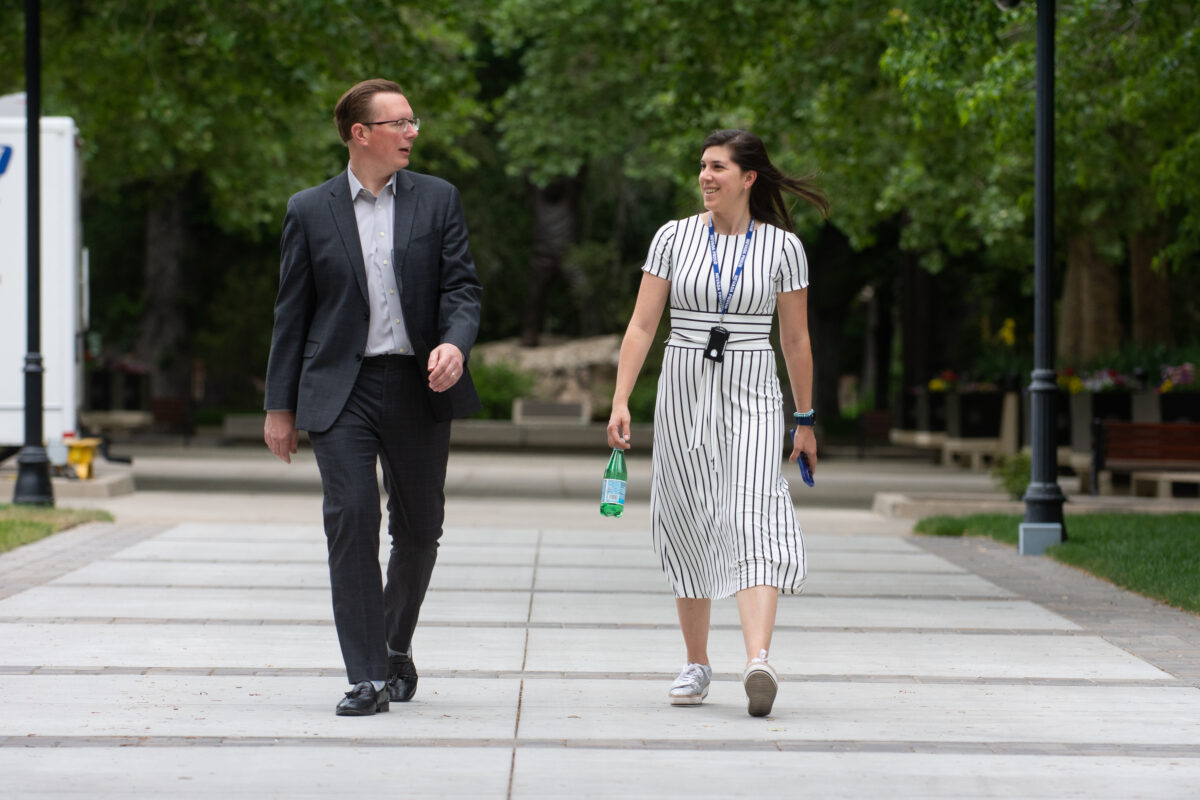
x: 385, y: 145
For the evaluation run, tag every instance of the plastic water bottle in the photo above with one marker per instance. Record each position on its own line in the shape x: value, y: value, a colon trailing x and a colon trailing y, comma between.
x: 612, y: 498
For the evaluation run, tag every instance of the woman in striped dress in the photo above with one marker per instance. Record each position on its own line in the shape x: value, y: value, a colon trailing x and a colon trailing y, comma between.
x: 722, y: 516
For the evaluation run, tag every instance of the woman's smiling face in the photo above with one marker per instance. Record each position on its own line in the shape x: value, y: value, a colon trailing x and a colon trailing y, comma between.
x: 724, y: 185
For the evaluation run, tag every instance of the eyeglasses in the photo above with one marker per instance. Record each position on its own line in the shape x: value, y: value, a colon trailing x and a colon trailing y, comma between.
x: 399, y: 125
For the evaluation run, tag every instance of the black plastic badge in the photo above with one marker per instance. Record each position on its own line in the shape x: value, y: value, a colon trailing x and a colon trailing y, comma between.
x: 718, y: 337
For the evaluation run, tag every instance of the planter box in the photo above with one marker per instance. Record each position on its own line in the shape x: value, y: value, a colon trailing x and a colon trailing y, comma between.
x: 1062, y: 418
x: 1086, y: 406
x: 1179, y: 406
x: 906, y: 411
x: 974, y: 415
x: 931, y: 410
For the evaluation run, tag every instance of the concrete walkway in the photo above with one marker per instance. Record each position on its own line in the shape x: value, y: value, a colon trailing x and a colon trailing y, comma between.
x: 187, y: 650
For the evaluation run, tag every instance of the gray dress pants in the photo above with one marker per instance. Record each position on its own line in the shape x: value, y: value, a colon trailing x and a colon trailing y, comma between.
x: 387, y: 418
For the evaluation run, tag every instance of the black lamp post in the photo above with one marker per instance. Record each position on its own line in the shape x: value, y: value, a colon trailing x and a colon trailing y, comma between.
x: 1043, y: 523
x: 33, y: 467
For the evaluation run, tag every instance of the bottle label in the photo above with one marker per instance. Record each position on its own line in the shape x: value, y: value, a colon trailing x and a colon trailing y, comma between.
x: 613, y: 492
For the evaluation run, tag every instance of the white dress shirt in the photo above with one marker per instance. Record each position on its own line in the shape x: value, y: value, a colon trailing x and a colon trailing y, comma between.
x: 375, y: 216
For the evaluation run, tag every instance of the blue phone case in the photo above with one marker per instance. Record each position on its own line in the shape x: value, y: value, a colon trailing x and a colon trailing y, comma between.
x: 805, y: 471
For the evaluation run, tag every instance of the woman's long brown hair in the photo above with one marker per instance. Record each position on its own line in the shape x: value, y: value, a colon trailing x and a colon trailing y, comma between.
x: 766, y: 195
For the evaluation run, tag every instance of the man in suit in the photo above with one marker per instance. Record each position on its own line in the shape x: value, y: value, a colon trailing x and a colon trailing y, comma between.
x: 377, y: 310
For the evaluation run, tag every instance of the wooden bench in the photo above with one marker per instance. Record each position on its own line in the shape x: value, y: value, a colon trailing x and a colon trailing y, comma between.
x: 975, y: 453
x: 1157, y: 453
x: 980, y: 452
x: 107, y: 424
x: 1159, y: 484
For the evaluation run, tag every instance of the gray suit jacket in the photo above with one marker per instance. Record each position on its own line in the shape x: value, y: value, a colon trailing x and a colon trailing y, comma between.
x: 321, y: 312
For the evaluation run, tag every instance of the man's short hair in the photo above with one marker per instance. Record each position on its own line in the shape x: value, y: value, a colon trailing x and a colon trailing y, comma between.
x: 355, y: 104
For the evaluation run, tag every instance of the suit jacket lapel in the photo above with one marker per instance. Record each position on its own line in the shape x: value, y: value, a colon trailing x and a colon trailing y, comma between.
x: 402, y: 222
x: 341, y: 205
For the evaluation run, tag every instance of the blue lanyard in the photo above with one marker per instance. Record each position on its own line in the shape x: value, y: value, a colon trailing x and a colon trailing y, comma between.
x: 712, y: 245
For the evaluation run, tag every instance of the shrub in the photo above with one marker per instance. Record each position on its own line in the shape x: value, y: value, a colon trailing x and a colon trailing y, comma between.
x: 498, y: 385
x: 642, y: 399
x: 1013, y: 474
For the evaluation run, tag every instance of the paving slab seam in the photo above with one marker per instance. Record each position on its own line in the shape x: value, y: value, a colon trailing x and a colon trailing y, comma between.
x: 478, y: 590
x: 512, y: 763
x: 600, y: 568
x: 599, y: 626
x: 1065, y: 749
x: 735, y: 677
x: 1159, y: 634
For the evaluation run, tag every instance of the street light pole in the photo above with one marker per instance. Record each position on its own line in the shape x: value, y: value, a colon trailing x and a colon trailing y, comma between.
x: 33, y: 467
x: 1043, y: 524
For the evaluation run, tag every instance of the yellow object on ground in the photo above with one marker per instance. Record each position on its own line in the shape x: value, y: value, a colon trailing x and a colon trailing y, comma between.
x: 81, y: 453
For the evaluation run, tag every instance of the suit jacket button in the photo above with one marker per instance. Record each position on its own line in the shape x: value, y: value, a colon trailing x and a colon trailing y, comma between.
x: 366, y: 315
x: 358, y: 356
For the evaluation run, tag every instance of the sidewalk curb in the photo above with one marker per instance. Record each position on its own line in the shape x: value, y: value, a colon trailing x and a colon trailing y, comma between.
x: 901, y: 506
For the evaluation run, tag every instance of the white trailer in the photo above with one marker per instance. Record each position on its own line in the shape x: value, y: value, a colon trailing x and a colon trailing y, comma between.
x: 63, y: 276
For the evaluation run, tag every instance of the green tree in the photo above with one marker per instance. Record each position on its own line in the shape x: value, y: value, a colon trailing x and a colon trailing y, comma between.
x: 1123, y: 136
x: 225, y: 109
x: 629, y: 90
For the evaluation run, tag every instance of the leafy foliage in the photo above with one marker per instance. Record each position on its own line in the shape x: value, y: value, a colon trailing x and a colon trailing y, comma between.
x: 1013, y: 474
x: 240, y: 93
x: 498, y: 385
x: 917, y: 115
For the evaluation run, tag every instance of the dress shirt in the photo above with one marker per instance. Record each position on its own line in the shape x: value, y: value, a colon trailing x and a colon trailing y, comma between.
x: 376, y: 217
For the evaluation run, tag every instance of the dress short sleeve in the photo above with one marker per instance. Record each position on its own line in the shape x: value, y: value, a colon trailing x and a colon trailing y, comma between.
x: 659, y: 259
x: 791, y: 271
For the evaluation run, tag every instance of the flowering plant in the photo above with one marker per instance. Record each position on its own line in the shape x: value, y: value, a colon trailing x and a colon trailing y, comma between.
x: 950, y: 381
x: 1179, y: 378
x: 1070, y: 381
x: 1007, y: 335
x: 999, y: 359
x: 978, y: 386
x: 944, y: 382
x: 1108, y: 380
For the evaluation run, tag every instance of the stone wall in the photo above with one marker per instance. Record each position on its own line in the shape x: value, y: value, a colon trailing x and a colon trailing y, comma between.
x: 564, y: 370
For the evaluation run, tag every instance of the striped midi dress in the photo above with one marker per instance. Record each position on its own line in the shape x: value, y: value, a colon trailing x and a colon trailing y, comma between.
x: 721, y: 515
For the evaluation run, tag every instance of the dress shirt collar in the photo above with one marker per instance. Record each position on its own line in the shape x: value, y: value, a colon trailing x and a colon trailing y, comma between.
x: 356, y: 185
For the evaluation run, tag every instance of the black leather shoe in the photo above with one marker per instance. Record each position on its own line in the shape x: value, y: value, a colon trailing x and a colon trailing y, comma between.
x: 363, y: 701
x: 402, y: 678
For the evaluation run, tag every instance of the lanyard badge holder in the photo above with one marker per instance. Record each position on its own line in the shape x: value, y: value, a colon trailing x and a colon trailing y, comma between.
x: 714, y: 350
x: 718, y: 336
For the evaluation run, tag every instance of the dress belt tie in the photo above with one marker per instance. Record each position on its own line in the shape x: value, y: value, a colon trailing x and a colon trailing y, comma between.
x: 704, y: 421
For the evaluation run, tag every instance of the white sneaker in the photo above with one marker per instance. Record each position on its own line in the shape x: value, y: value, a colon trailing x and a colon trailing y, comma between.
x: 761, y: 684
x: 691, y: 687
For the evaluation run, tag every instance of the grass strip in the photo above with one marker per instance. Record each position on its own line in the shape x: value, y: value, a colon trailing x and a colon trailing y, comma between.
x: 24, y: 524
x: 1151, y: 554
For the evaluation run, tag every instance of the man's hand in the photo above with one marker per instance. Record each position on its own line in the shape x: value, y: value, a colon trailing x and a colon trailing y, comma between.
x: 280, y: 434
x: 445, y: 367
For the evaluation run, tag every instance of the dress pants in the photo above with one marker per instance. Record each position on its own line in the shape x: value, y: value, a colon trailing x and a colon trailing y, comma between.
x: 387, y: 417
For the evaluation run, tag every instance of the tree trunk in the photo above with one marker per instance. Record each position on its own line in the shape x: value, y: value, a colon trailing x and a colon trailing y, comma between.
x: 882, y: 308
x: 1070, y: 319
x: 838, y: 275
x: 1091, y: 321
x: 1150, y: 293
x: 917, y: 318
x: 555, y: 208
x: 162, y: 343
x: 826, y: 339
